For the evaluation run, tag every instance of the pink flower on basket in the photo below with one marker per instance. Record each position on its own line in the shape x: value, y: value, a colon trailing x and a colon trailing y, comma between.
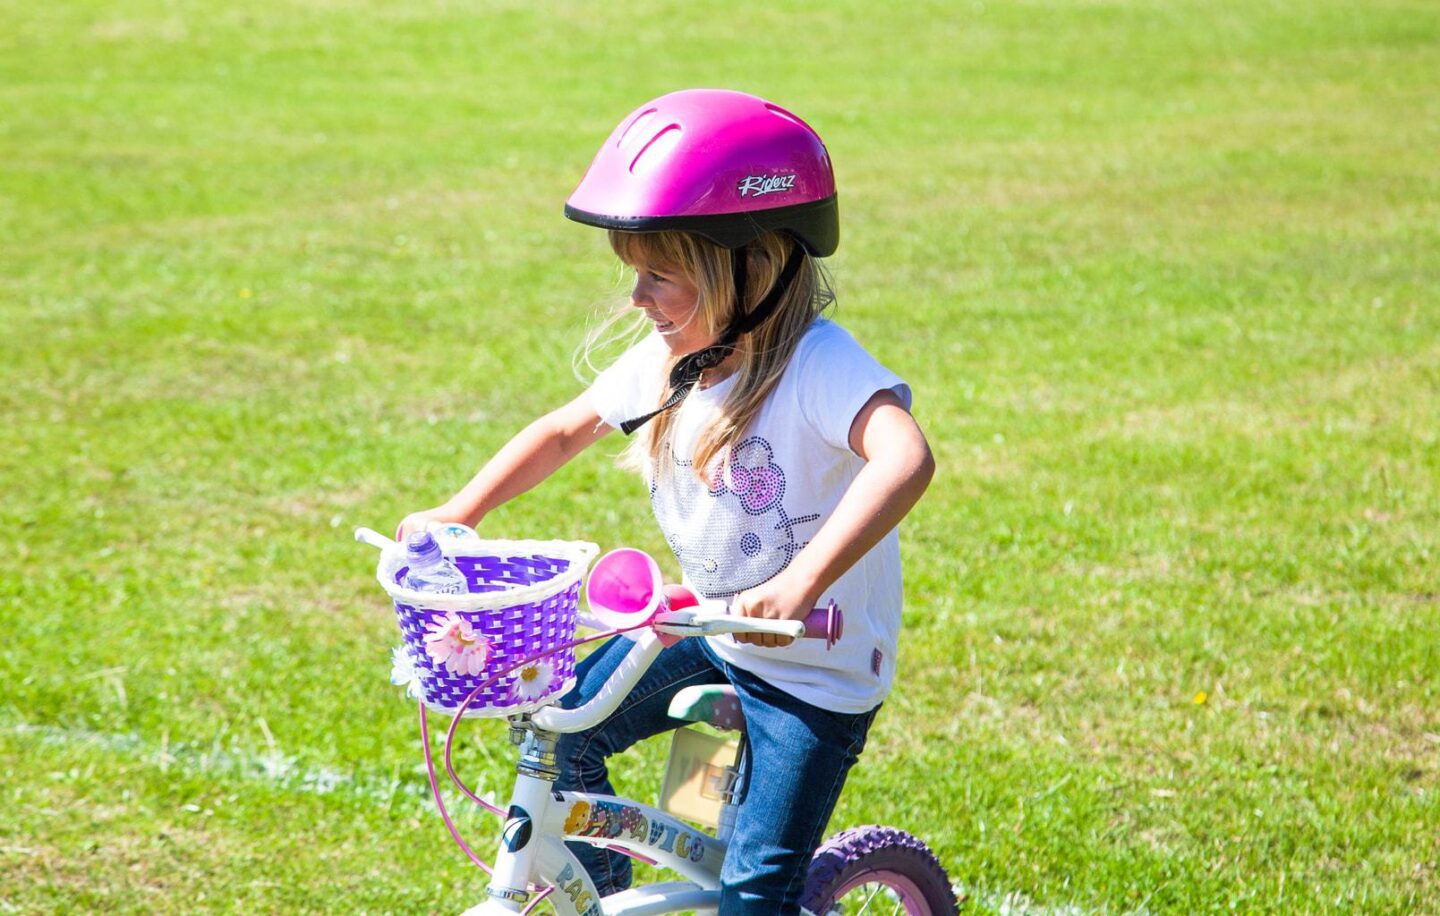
x: 533, y: 681
x: 451, y: 642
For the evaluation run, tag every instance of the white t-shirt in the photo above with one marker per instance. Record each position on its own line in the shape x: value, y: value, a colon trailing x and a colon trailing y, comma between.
x: 787, y: 475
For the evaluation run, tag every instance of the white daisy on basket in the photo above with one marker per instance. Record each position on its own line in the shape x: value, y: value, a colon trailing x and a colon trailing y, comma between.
x: 533, y: 681
x: 452, y: 642
x: 403, y: 673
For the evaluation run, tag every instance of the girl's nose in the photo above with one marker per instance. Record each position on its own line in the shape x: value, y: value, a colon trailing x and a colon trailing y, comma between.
x: 639, y: 294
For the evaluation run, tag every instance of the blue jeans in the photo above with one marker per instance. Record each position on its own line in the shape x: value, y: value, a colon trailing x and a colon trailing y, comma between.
x: 799, y: 756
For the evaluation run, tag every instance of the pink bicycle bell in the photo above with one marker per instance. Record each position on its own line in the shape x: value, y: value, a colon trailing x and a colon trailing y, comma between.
x: 725, y: 165
x: 625, y: 588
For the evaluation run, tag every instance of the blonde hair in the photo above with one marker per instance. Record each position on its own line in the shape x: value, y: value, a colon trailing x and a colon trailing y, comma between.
x: 763, y: 353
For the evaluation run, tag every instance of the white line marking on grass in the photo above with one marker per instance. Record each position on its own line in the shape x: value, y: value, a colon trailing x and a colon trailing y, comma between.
x: 1014, y: 903
x: 1011, y: 903
x: 271, y: 767
x: 277, y: 769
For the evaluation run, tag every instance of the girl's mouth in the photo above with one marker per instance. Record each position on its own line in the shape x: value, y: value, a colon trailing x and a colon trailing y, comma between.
x: 661, y: 325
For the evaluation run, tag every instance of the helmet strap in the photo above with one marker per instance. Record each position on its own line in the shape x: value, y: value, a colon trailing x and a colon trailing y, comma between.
x: 687, y: 371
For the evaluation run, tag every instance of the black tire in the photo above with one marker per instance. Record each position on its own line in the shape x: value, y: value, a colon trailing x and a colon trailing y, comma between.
x: 853, y: 867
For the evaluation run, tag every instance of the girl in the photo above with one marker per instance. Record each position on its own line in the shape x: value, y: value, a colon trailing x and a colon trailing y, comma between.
x: 779, y: 456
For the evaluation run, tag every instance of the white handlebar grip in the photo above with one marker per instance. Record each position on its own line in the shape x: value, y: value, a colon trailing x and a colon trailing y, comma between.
x: 792, y: 628
x: 373, y: 538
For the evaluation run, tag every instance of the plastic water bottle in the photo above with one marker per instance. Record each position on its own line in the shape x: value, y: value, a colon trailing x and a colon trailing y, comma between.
x: 429, y: 570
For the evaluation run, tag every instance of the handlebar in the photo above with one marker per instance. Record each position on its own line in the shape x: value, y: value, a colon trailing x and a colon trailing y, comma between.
x: 714, y: 622
x: 626, y: 675
x: 713, y: 617
x: 703, y: 617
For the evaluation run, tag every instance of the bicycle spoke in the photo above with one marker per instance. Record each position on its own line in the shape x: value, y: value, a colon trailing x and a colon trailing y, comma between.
x: 871, y: 899
x: 877, y: 890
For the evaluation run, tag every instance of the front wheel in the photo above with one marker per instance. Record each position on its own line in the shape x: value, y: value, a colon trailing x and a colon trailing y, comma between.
x: 877, y: 870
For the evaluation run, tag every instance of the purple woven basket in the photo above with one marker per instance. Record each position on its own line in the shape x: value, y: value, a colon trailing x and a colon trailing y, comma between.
x: 523, y: 600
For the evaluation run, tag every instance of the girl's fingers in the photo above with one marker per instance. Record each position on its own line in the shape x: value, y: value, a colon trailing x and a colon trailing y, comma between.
x: 417, y: 521
x: 742, y: 607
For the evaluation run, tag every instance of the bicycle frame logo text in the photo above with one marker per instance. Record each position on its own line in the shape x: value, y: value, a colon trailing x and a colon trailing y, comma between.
x: 574, y: 888
x: 760, y: 185
x: 612, y: 821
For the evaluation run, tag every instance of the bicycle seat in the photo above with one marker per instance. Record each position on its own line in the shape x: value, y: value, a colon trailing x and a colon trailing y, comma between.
x: 714, y: 704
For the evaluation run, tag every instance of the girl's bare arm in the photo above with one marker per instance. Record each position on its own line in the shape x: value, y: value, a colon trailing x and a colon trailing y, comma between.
x: 898, y: 468
x: 535, y: 453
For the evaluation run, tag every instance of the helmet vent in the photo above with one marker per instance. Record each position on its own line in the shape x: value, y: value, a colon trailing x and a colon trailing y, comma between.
x: 776, y: 109
x: 654, y: 151
x: 639, y: 119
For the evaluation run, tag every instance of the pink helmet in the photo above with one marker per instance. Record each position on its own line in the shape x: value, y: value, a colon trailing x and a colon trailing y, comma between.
x: 725, y: 165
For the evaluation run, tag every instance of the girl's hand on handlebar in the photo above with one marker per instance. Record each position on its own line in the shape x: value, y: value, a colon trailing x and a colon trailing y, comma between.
x: 773, y: 600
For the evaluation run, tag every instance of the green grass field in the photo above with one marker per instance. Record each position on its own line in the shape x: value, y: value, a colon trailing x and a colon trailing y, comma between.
x: 1162, y: 274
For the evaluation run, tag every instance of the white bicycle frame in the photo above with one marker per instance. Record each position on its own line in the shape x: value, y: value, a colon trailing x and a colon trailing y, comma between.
x: 541, y: 819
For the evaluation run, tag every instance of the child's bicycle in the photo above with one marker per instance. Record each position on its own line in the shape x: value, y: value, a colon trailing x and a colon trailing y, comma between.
x: 862, y: 870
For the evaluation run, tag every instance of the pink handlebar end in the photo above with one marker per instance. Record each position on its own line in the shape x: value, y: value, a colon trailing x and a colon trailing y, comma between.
x: 826, y: 623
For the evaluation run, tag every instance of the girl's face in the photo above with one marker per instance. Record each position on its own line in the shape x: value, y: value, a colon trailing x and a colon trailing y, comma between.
x: 671, y: 302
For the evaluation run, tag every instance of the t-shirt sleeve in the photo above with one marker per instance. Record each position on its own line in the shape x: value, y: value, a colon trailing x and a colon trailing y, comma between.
x: 630, y: 386
x: 836, y: 378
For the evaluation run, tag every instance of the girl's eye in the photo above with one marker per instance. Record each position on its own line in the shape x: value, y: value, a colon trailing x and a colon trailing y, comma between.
x: 658, y: 278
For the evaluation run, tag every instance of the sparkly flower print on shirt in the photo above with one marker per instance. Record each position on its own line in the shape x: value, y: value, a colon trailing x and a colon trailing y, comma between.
x: 734, y: 533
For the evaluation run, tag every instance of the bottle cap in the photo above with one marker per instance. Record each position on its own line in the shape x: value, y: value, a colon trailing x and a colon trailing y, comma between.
x: 422, y: 546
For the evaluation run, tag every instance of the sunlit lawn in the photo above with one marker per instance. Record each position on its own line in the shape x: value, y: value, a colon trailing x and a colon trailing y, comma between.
x: 1162, y: 276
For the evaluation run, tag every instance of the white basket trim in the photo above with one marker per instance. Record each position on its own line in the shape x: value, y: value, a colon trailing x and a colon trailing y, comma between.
x: 578, y: 553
